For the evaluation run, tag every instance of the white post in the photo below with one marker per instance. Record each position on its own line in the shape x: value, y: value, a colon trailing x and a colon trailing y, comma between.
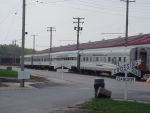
x: 125, y: 87
x: 62, y: 74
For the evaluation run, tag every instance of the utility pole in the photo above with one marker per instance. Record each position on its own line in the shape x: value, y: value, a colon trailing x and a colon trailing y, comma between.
x: 78, y: 29
x: 33, y: 51
x: 126, y: 42
x: 127, y: 20
x: 23, y: 39
x: 14, y: 43
x: 34, y: 42
x: 50, y: 29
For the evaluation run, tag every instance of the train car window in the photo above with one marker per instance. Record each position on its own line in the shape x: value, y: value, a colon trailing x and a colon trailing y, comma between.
x: 74, y: 58
x: 124, y: 59
x: 97, y: 59
x: 100, y: 58
x: 109, y: 59
x: 104, y: 59
x: 90, y: 59
x: 87, y: 59
x: 83, y: 59
x: 119, y: 59
x: 114, y: 60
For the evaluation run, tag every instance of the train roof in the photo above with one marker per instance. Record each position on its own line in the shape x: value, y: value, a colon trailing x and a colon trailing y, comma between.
x: 107, y: 51
x: 141, y: 39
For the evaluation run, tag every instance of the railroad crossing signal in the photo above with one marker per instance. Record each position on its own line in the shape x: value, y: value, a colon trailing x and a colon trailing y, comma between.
x: 127, y: 67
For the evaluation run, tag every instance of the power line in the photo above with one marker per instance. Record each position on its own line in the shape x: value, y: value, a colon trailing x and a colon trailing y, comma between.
x: 59, y: 1
x: 112, y: 33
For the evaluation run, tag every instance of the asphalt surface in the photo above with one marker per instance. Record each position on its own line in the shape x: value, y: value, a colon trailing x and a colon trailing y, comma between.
x: 72, y: 89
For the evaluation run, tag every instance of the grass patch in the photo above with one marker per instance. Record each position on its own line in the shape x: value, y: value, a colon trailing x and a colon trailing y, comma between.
x: 114, y: 106
x: 8, y: 73
x: 14, y: 74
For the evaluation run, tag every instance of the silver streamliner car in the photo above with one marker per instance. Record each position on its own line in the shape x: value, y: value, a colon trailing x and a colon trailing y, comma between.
x: 97, y: 60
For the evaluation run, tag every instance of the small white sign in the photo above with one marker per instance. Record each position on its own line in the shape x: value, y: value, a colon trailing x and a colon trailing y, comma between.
x: 23, y: 75
x: 125, y: 79
x: 126, y: 67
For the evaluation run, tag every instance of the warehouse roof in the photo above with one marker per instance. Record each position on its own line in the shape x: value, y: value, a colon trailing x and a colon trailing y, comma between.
x: 132, y: 40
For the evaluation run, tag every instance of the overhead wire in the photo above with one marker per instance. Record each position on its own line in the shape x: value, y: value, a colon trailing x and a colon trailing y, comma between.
x: 105, y: 7
x: 93, y: 6
x: 10, y: 15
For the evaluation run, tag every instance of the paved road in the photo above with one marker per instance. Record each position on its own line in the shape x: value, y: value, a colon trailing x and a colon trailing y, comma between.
x: 136, y: 91
x: 74, y: 88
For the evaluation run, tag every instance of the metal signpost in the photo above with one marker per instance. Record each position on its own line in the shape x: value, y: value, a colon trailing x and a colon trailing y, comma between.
x: 62, y: 71
x: 62, y: 74
x: 125, y: 68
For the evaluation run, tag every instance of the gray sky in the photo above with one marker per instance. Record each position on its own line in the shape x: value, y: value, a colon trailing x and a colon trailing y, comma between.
x: 101, y: 16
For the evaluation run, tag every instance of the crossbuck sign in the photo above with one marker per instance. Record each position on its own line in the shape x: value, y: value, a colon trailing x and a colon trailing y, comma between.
x: 127, y: 67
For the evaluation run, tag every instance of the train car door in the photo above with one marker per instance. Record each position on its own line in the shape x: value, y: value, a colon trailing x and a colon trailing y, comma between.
x: 143, y: 57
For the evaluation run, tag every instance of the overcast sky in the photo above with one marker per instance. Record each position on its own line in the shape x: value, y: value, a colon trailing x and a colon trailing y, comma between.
x: 101, y: 16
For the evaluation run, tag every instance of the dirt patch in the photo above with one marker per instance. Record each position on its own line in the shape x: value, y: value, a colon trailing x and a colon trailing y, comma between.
x: 44, y: 84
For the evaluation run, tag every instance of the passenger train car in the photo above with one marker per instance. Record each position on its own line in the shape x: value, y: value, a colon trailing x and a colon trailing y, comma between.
x: 96, y: 60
